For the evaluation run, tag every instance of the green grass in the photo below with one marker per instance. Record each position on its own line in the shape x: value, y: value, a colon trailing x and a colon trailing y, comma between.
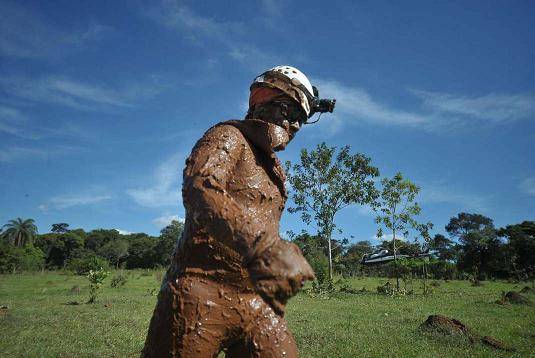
x: 39, y: 323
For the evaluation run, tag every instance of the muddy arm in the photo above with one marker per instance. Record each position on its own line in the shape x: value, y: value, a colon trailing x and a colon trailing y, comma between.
x: 208, y: 169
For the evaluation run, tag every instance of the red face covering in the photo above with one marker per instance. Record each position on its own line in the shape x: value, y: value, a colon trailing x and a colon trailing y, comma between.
x: 261, y: 95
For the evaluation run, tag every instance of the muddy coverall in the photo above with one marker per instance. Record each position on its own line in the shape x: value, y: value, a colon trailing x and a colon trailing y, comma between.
x: 231, y: 274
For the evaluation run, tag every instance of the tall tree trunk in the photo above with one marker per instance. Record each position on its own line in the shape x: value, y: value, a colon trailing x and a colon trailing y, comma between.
x: 330, y: 259
x: 424, y: 273
x: 395, y: 259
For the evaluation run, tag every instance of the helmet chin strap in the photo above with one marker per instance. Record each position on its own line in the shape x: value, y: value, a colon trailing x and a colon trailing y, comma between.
x: 316, y: 121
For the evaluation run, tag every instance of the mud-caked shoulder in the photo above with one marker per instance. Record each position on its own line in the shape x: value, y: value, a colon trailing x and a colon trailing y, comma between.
x: 225, y: 135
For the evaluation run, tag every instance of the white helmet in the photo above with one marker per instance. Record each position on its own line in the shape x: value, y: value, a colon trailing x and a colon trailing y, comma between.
x: 291, y: 81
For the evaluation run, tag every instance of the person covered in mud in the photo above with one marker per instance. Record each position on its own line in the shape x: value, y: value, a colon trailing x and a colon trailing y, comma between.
x: 232, y: 275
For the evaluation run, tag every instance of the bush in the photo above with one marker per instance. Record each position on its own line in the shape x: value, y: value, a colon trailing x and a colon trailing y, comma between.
x: 442, y: 270
x: 118, y: 280
x: 27, y: 258
x: 320, y: 265
x: 322, y: 288
x: 96, y: 279
x: 386, y: 289
x: 82, y: 266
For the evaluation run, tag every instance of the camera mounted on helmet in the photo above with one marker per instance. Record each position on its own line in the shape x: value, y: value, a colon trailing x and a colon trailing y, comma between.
x: 320, y: 105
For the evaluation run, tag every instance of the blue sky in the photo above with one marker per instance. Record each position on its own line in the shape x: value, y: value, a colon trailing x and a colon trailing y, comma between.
x: 101, y: 101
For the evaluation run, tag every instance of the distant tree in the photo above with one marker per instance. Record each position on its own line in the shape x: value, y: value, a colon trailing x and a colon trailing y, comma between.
x: 465, y: 223
x: 444, y: 247
x: 352, y: 256
x: 99, y: 237
x: 141, y: 251
x: 62, y: 247
x: 325, y: 182
x: 19, y: 231
x: 60, y: 228
x: 314, y: 251
x: 114, y: 251
x: 165, y: 245
x: 521, y: 243
x: 402, y: 247
x: 360, y: 248
x: 481, y: 251
x: 396, y: 211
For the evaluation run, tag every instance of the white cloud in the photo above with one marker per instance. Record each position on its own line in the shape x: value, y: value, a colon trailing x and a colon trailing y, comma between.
x: 12, y: 121
x: 124, y: 232
x: 9, y: 114
x: 365, y: 210
x: 253, y: 58
x: 66, y: 201
x: 437, y: 111
x: 75, y: 94
x: 174, y: 14
x: 43, y: 208
x: 357, y: 103
x: 388, y: 237
x: 16, y: 123
x: 230, y: 37
x: 528, y: 186
x: 272, y: 7
x: 166, y: 219
x: 165, y: 190
x: 12, y: 154
x: 493, y: 108
x: 444, y: 193
x: 24, y: 33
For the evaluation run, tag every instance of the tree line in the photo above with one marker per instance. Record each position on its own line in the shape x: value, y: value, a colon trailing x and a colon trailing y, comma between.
x: 23, y: 249
x: 472, y: 248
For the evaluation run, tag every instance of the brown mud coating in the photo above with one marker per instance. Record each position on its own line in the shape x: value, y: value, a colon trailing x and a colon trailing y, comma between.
x: 231, y: 274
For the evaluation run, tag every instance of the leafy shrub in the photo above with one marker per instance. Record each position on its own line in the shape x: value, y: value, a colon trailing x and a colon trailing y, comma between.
x: 118, y: 280
x: 435, y: 284
x: 27, y: 258
x: 343, y: 286
x: 322, y: 287
x: 96, y: 280
x: 443, y: 270
x: 82, y: 266
x: 386, y: 289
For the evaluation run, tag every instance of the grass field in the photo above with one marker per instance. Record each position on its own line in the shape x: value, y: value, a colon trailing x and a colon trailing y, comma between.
x: 39, y: 322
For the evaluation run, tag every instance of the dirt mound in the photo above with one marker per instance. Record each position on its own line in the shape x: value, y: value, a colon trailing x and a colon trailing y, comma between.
x: 448, y: 326
x: 495, y: 343
x: 516, y: 298
x: 526, y: 289
x: 452, y: 327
